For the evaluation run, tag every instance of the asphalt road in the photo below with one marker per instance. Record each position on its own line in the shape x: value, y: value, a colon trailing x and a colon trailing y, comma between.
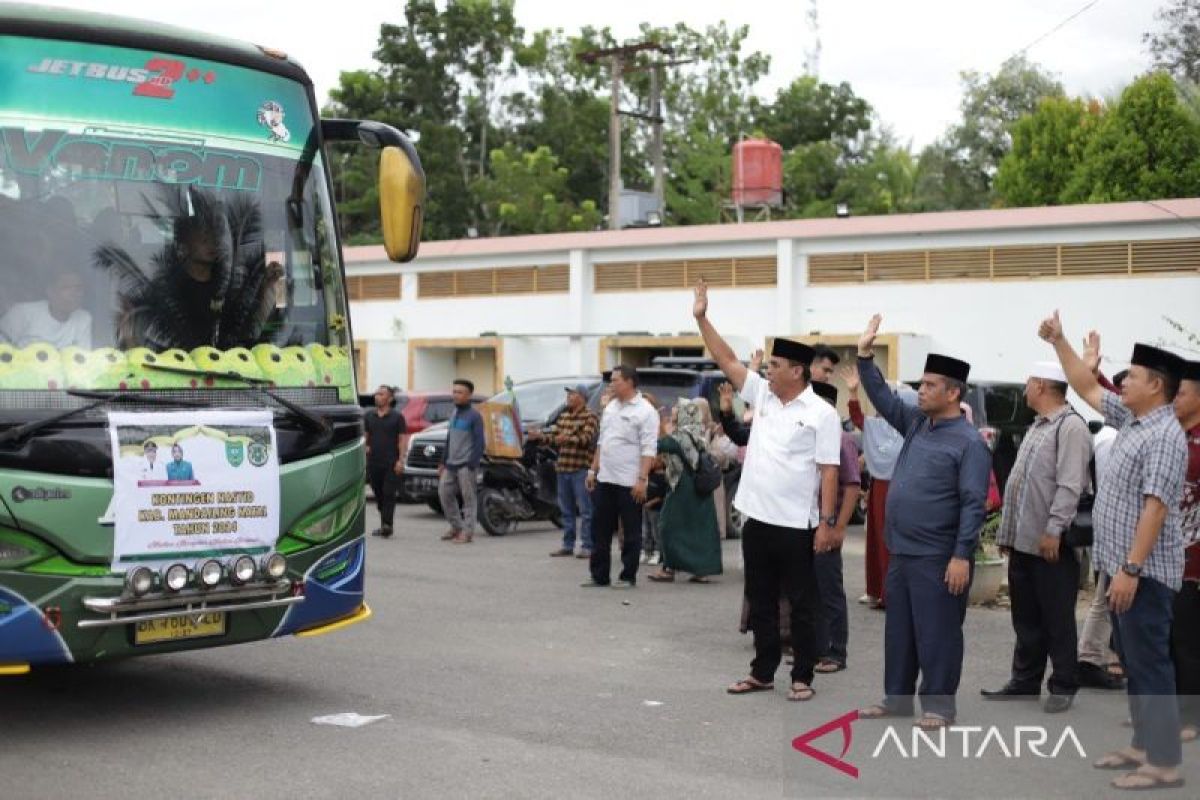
x: 502, y: 678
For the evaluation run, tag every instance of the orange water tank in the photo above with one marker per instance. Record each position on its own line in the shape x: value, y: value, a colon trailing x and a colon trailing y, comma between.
x: 757, y: 173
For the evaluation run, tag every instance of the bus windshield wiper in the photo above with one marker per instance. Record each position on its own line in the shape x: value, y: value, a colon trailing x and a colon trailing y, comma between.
x: 21, y: 432
x: 309, y: 419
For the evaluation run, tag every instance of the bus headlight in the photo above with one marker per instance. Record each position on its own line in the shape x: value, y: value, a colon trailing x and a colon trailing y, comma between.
x: 242, y: 570
x: 175, y: 577
x: 139, y: 581
x: 274, y: 566
x: 209, y: 573
x: 330, y: 520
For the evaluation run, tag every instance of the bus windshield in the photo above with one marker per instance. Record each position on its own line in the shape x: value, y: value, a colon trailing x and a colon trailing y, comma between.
x: 156, y: 211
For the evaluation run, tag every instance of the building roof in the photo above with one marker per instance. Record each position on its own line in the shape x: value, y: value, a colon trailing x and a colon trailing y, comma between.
x: 890, y: 224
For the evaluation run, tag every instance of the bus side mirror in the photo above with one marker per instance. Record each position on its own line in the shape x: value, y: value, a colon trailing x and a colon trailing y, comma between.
x: 401, y: 202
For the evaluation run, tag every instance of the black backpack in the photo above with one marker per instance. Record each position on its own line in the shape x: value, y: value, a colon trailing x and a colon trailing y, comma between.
x: 707, y: 476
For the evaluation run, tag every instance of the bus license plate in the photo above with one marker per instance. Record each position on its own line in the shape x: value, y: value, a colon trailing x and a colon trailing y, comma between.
x: 184, y: 626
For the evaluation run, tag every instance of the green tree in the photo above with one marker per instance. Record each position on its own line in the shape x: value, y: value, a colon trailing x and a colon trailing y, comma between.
x: 1048, y: 147
x: 957, y: 171
x: 1176, y: 47
x: 807, y: 110
x: 1146, y: 148
x: 525, y: 193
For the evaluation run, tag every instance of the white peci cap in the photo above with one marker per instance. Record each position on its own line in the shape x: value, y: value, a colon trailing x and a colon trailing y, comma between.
x: 1048, y: 370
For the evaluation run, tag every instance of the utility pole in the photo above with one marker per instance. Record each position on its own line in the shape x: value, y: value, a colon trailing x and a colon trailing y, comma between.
x: 656, y: 139
x: 614, y: 144
x: 617, y: 57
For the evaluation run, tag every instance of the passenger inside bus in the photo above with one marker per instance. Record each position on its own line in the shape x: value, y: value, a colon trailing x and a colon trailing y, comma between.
x: 59, y: 320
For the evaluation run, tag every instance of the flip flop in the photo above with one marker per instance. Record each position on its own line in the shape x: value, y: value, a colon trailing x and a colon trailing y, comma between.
x: 658, y: 578
x: 749, y: 686
x: 1144, y: 781
x: 828, y: 667
x: 1116, y: 760
x: 879, y: 712
x: 932, y: 722
x: 802, y: 695
x: 699, y: 579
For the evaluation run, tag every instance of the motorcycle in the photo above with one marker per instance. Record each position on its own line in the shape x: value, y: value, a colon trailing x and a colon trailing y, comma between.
x: 519, y: 490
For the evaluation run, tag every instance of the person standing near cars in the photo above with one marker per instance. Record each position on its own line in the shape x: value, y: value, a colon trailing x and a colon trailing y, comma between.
x: 1138, y: 545
x: 619, y: 478
x: 386, y: 435
x: 935, y: 510
x: 575, y: 437
x: 793, y: 453
x: 1041, y: 498
x: 457, y: 473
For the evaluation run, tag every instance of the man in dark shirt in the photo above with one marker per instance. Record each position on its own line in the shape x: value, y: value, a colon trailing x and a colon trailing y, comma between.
x: 935, y: 508
x: 385, y: 429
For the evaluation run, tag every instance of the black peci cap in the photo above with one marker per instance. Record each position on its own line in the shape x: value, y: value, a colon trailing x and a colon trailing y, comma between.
x: 1191, y: 371
x: 827, y: 391
x: 947, y: 367
x: 795, y: 351
x: 1158, y: 359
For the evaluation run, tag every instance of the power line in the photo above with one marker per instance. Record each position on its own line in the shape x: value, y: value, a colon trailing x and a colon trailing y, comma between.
x: 1055, y: 29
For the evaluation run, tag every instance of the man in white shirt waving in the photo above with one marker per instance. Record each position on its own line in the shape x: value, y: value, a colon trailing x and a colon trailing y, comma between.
x: 625, y: 450
x: 794, y: 450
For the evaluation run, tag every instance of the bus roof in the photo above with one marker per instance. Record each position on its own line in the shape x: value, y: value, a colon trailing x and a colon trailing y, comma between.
x: 27, y: 19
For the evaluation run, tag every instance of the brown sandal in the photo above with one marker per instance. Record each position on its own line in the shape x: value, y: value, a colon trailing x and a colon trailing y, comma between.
x: 662, y: 577
x: 932, y: 722
x: 801, y: 695
x: 749, y: 686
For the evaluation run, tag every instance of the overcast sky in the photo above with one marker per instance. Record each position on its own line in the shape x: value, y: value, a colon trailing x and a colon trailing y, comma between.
x: 903, y: 57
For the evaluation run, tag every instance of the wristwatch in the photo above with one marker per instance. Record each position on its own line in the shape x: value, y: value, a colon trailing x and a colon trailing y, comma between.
x: 831, y: 520
x: 1131, y: 569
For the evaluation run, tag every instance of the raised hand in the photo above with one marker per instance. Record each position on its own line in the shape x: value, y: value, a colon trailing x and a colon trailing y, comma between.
x: 867, y: 341
x: 700, y: 305
x: 1051, y: 329
x: 849, y: 375
x: 726, y: 392
x: 756, y: 360
x: 1091, y: 352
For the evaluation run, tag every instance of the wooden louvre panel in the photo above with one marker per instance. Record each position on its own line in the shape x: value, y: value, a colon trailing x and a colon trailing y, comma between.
x: 1025, y: 262
x: 837, y: 268
x: 1101, y: 258
x: 556, y: 278
x: 1170, y: 255
x: 664, y: 274
x: 435, y: 284
x: 474, y: 282
x: 900, y: 265
x: 714, y: 271
x: 515, y: 280
x: 354, y: 288
x: 754, y: 272
x: 380, y: 287
x: 960, y: 264
x: 616, y: 277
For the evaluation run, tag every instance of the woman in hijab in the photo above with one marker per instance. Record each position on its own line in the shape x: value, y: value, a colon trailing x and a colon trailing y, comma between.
x: 691, y: 540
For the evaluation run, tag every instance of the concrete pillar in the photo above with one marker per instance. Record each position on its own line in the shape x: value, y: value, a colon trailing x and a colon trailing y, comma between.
x: 785, y: 287
x: 579, y: 299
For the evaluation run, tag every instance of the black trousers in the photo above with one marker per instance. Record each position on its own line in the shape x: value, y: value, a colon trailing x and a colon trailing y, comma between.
x: 833, y: 626
x: 611, y: 503
x: 779, y: 559
x: 383, y: 483
x: 1185, y: 651
x: 1043, y: 616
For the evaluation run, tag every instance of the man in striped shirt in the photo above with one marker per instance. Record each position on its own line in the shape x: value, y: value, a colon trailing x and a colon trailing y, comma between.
x: 575, y: 437
x: 1139, y: 547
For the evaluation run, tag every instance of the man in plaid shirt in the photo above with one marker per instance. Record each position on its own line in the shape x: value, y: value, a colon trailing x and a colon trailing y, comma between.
x: 1138, y: 545
x: 576, y: 441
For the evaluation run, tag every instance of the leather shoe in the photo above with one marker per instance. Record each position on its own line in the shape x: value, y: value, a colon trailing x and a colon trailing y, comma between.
x: 1008, y: 692
x: 1058, y: 703
x: 1097, y: 677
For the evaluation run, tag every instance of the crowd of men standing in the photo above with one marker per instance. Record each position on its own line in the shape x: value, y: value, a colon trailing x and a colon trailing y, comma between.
x: 1131, y: 500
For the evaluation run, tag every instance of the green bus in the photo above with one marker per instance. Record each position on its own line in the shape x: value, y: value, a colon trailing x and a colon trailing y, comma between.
x: 171, y: 282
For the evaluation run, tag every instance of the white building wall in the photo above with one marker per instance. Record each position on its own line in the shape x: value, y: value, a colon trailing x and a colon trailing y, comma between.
x: 992, y: 324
